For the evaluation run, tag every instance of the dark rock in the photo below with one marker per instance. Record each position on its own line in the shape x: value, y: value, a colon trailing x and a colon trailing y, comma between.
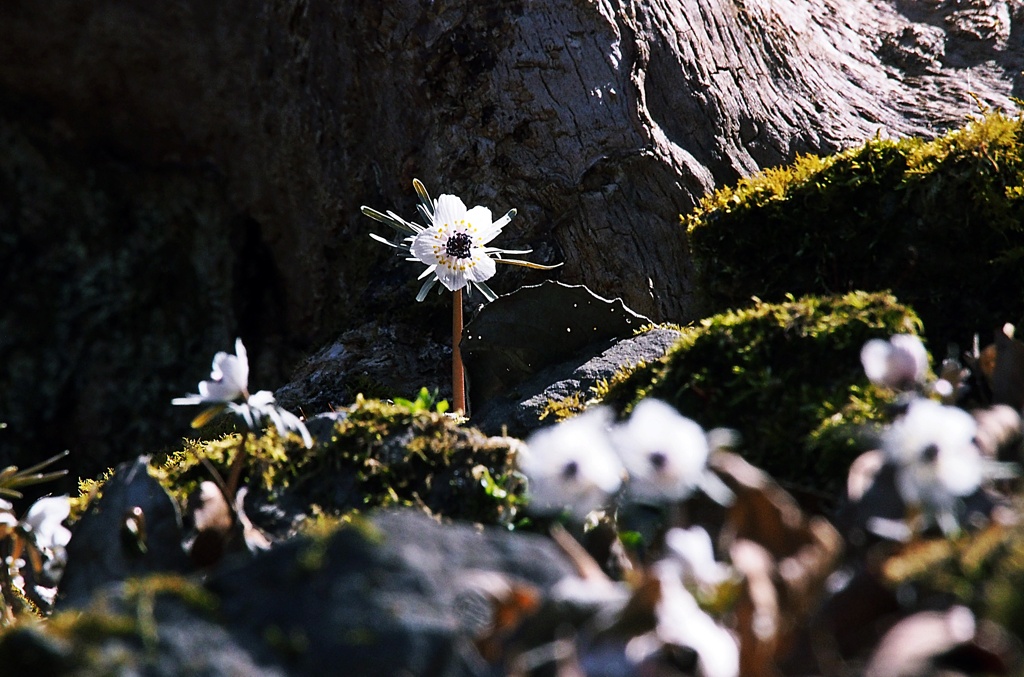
x: 133, y: 529
x: 376, y: 360
x: 520, y: 334
x: 383, y: 596
x: 520, y: 411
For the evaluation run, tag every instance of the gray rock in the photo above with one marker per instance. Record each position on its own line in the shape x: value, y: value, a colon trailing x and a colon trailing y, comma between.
x: 391, y: 595
x: 521, y: 409
x: 133, y: 529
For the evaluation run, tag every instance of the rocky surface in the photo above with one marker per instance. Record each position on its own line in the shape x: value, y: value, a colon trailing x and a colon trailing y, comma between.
x: 398, y: 593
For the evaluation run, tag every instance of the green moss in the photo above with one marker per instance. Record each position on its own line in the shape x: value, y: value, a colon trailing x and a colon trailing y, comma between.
x: 92, y: 626
x: 558, y: 410
x: 787, y: 376
x: 148, y: 588
x: 938, y: 223
x: 379, y: 454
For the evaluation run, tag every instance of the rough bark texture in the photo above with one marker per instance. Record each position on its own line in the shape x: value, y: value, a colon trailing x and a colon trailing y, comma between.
x: 248, y: 135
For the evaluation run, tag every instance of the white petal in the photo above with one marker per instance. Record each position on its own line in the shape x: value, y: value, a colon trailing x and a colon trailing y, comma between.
x: 874, y: 357
x: 44, y: 520
x: 479, y: 225
x: 428, y: 247
x: 453, y: 279
x: 482, y: 268
x: 219, y: 391
x: 449, y: 210
x: 261, y: 399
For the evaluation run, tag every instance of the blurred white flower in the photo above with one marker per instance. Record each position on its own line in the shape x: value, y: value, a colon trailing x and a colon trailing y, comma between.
x: 229, y: 382
x: 937, y: 460
x: 681, y: 622
x: 454, y: 246
x: 44, y: 522
x: 899, y: 363
x: 571, y: 465
x: 666, y: 455
x: 693, y: 549
x: 8, y: 520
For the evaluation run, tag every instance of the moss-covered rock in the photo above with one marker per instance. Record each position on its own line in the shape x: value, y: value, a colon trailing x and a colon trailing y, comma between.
x: 373, y: 454
x: 787, y: 376
x: 940, y: 223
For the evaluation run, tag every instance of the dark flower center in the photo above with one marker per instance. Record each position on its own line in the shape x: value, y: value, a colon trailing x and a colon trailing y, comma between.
x: 458, y: 246
x: 658, y: 460
x: 930, y: 453
x: 570, y: 471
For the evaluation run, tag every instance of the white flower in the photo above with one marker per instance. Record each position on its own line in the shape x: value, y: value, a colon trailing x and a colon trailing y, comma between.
x: 936, y: 458
x: 229, y: 382
x: 8, y: 521
x: 45, y: 522
x: 454, y: 246
x: 681, y: 622
x: 666, y: 455
x: 229, y: 379
x: 900, y: 363
x: 262, y: 404
x: 693, y: 549
x: 572, y: 465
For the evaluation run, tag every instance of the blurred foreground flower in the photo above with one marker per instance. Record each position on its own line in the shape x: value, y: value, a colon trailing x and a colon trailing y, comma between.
x: 693, y: 550
x: 937, y: 461
x: 44, y: 523
x: 229, y: 382
x: 681, y: 622
x: 666, y: 455
x: 572, y: 466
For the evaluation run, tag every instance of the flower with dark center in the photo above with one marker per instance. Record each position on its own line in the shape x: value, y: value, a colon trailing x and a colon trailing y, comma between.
x: 571, y: 466
x: 937, y: 461
x: 454, y: 247
x: 666, y: 455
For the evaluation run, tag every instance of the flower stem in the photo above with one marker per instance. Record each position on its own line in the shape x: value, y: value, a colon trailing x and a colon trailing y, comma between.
x: 458, y: 372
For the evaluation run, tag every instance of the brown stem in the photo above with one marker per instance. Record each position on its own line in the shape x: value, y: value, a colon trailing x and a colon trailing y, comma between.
x: 235, y: 471
x: 458, y: 372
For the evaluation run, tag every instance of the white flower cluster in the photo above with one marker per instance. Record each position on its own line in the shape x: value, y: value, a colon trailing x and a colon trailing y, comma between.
x: 658, y: 455
x: 229, y: 383
x: 931, y: 446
